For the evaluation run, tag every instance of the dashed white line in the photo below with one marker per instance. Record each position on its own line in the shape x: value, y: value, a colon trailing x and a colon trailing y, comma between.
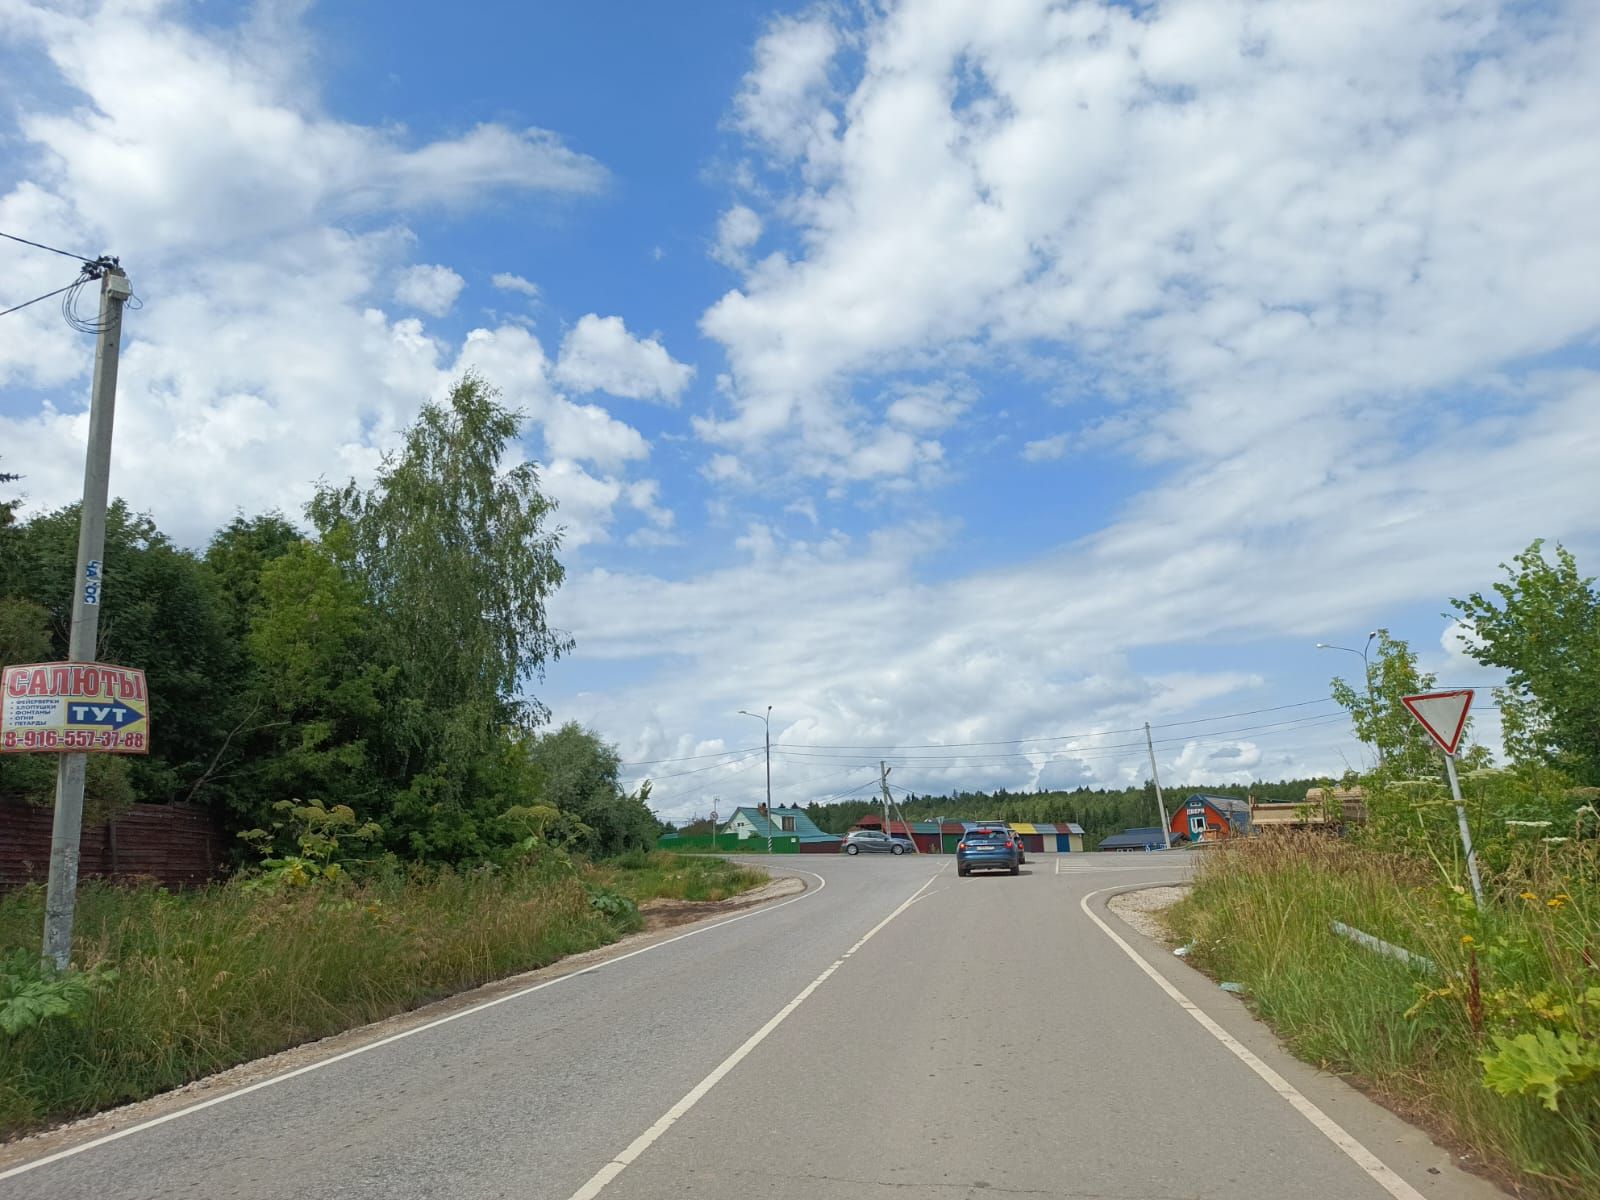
x: 392, y: 1038
x: 600, y: 1179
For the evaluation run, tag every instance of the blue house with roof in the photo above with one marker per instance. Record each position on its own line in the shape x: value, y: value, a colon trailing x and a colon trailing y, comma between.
x: 752, y: 821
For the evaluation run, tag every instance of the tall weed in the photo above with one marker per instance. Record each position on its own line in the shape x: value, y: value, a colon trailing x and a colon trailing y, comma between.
x: 1489, y: 1046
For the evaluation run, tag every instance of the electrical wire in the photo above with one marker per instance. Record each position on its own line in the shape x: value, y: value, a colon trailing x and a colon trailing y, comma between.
x: 650, y: 762
x: 749, y: 761
x: 802, y: 752
x: 41, y: 246
x: 1063, y: 737
x: 36, y: 299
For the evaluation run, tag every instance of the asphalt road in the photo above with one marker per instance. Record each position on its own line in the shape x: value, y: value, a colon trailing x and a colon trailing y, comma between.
x: 898, y: 1032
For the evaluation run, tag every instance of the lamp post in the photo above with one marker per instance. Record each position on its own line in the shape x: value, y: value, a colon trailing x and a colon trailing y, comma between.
x: 766, y: 721
x: 1366, y: 670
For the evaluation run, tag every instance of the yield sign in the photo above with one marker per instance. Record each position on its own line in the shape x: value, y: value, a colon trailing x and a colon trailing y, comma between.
x: 1443, y: 715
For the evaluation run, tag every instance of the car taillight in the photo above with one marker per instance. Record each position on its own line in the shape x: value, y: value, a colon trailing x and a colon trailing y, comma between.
x: 961, y: 845
x: 1011, y: 845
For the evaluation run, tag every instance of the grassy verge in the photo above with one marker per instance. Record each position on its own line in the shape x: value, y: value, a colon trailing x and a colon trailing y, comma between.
x: 648, y: 875
x: 208, y: 979
x: 212, y: 978
x: 1488, y: 1048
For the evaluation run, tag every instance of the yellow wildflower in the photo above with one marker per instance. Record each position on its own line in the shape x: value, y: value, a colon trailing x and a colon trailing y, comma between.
x: 1529, y: 896
x: 1556, y: 901
x: 1466, y: 939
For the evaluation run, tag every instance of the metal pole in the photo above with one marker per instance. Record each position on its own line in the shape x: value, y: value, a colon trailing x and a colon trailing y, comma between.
x: 767, y: 720
x: 67, y: 826
x: 1466, y: 833
x: 1372, y: 703
x: 1161, y: 805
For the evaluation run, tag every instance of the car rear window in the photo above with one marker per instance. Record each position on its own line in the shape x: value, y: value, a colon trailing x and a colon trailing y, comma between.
x: 987, y: 835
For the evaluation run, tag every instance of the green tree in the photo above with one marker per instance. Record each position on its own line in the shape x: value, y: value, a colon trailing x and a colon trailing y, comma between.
x: 236, y: 557
x: 8, y: 508
x: 456, y: 562
x: 159, y: 612
x: 1545, y: 632
x: 1404, y: 749
x: 578, y: 774
x: 317, y: 697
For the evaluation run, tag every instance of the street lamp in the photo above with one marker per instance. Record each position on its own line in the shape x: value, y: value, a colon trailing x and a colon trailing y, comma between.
x: 766, y: 721
x: 1366, y: 670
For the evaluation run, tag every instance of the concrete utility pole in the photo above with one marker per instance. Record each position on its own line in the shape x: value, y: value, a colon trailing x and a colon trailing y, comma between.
x: 62, y: 891
x: 1166, y: 830
x: 883, y: 782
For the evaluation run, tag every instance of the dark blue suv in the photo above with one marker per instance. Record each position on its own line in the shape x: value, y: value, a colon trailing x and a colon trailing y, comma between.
x: 988, y: 848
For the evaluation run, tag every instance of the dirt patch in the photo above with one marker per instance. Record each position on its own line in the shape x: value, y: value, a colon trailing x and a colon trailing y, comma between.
x: 665, y: 914
x: 658, y: 920
x: 1143, y: 909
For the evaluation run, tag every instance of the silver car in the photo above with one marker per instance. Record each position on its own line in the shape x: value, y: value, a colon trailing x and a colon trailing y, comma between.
x: 871, y: 841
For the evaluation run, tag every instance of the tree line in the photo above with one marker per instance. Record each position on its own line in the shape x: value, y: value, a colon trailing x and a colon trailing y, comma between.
x: 379, y: 659
x: 1099, y: 811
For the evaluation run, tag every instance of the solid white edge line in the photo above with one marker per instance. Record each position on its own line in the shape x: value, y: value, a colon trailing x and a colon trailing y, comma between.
x: 600, y: 1179
x: 70, y: 1151
x: 1376, y: 1169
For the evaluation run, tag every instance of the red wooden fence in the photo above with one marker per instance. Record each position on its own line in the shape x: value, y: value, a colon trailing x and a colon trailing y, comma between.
x: 178, y: 845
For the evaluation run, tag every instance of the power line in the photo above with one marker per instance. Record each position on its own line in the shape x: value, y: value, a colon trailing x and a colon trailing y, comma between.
x: 801, y: 752
x: 36, y: 299
x: 1059, y: 737
x: 41, y: 246
x: 650, y: 762
x: 710, y: 767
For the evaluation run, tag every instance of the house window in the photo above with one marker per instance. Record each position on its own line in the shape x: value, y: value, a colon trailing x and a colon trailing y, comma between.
x: 788, y: 824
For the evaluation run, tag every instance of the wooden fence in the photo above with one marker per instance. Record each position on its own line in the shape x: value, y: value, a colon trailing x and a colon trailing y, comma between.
x: 178, y: 845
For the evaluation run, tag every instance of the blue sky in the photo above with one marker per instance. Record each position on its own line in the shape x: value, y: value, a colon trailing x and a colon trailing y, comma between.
x: 947, y: 373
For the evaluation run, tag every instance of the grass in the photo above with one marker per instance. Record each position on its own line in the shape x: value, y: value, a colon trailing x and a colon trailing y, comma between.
x: 1260, y: 914
x: 209, y: 979
x: 658, y: 874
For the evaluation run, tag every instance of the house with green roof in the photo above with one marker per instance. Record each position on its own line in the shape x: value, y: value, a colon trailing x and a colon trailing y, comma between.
x: 752, y: 821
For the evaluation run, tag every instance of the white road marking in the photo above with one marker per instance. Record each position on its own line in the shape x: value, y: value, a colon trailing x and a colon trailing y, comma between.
x: 600, y: 1179
x: 466, y: 1012
x: 1380, y: 1173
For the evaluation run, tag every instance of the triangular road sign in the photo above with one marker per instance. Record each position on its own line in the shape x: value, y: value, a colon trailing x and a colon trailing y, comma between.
x: 1443, y: 715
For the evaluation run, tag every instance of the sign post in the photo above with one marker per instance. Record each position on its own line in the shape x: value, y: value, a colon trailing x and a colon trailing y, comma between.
x: 1444, y: 716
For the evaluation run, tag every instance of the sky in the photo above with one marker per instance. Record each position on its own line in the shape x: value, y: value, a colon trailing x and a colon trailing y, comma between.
x: 969, y: 383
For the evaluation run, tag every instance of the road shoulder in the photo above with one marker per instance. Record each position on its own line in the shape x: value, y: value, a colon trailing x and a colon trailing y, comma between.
x: 669, y: 924
x: 1406, y: 1149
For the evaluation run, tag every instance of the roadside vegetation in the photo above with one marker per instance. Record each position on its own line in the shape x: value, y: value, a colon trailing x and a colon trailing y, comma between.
x: 178, y: 985
x: 1493, y: 1041
x: 351, y: 699
x: 649, y: 875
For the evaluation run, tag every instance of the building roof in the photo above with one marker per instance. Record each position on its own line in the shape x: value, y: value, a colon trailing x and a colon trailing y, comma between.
x: 1133, y: 839
x: 875, y: 821
x: 1046, y: 827
x: 1230, y: 808
x: 804, y: 827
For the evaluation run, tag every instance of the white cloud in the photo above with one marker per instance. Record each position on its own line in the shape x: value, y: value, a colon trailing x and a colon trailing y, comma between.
x: 1047, y: 449
x: 262, y: 359
x: 929, y: 408
x: 1305, y: 266
x: 150, y: 166
x: 1261, y: 214
x: 738, y: 230
x: 508, y: 282
x: 430, y: 289
x: 726, y: 468
x: 779, y: 101
x: 600, y: 355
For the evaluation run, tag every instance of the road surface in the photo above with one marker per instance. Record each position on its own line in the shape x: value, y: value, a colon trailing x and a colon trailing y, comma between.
x: 895, y: 1032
